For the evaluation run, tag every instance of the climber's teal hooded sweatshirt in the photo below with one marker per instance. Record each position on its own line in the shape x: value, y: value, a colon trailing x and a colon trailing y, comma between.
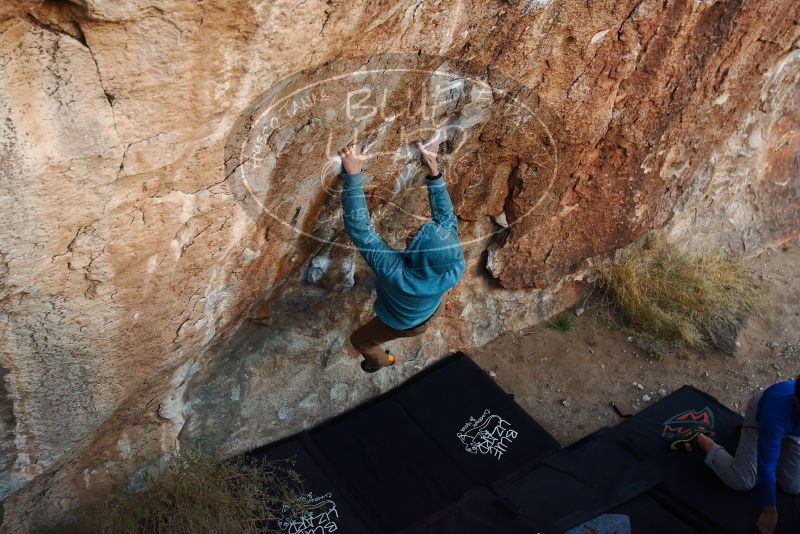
x: 410, y: 282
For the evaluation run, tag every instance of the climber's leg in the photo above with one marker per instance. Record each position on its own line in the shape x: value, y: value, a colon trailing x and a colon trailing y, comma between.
x: 367, y: 340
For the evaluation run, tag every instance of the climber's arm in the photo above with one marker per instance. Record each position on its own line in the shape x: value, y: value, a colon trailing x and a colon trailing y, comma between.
x: 383, y: 259
x: 441, y: 205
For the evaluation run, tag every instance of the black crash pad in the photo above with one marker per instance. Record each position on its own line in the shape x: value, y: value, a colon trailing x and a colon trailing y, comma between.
x: 475, y: 422
x: 449, y: 452
x: 389, y: 464
x: 690, y: 489
x: 419, y: 454
x: 478, y: 511
x: 329, y: 510
x: 417, y: 449
x: 580, y: 482
x: 644, y: 515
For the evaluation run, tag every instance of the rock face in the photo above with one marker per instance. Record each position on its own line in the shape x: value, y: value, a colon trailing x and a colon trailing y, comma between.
x: 174, y: 266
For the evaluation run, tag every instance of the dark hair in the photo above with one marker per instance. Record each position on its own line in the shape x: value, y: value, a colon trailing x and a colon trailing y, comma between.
x: 797, y: 388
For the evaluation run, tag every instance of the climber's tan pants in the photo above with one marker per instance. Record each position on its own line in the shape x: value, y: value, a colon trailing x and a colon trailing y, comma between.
x: 367, y: 339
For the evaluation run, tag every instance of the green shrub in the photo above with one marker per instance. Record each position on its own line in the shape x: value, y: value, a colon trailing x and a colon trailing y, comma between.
x: 562, y: 321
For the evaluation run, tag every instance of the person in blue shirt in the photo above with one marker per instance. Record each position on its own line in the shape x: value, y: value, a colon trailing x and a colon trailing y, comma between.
x: 768, y: 452
x: 409, y: 283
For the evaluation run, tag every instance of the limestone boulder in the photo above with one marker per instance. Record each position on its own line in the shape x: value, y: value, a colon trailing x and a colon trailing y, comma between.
x: 174, y: 268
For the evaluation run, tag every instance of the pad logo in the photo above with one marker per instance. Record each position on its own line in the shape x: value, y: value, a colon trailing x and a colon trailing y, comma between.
x: 688, y: 421
x: 488, y: 434
x: 320, y: 516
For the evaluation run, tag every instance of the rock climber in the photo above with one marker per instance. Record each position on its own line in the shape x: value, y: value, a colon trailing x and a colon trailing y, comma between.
x: 768, y: 449
x: 409, y: 283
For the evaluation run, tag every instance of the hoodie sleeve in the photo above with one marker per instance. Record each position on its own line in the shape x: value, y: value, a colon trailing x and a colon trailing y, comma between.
x: 441, y: 206
x: 381, y: 258
x: 770, y: 436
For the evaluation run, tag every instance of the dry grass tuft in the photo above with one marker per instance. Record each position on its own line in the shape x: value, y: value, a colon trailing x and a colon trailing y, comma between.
x: 672, y: 294
x: 202, y: 494
x: 199, y: 494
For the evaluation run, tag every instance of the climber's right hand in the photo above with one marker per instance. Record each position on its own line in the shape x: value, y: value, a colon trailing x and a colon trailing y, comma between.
x: 429, y: 156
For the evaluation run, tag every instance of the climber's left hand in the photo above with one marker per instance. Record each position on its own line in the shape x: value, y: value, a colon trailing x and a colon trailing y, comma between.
x: 352, y: 159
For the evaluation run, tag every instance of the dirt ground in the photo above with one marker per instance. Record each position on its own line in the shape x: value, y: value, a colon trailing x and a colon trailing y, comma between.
x: 567, y: 380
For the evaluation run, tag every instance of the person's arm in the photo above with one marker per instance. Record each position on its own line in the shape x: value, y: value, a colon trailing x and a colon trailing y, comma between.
x: 441, y: 205
x: 381, y: 258
x: 769, y: 450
